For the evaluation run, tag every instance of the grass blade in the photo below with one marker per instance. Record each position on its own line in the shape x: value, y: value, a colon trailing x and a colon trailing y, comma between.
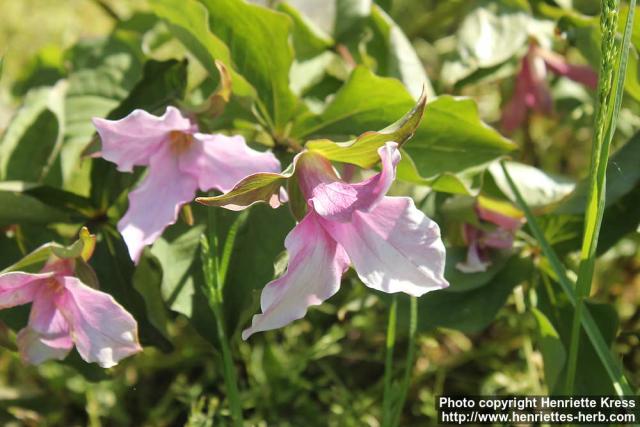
x: 618, y: 380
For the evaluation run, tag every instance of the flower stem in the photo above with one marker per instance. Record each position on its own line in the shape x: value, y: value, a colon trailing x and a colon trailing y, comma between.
x: 211, y: 269
x: 387, y: 415
x: 411, y: 353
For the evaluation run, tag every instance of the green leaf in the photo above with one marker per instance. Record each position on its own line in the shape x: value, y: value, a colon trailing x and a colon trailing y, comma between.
x: 489, y: 35
x: 259, y: 187
x: 115, y: 269
x: 261, y: 51
x: 258, y: 243
x: 452, y: 139
x: 552, y: 349
x: 34, y: 136
x: 395, y: 55
x: 464, y: 282
x: 623, y: 175
x: 363, y: 151
x: 364, y: 102
x: 475, y: 309
x: 103, y: 72
x: 308, y: 39
x: 189, y: 22
x: 18, y: 208
x: 538, y: 188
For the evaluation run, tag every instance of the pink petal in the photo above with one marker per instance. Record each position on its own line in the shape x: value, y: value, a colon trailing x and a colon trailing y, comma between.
x: 498, y: 239
x: 514, y: 112
x: 580, y: 73
x: 503, y: 221
x: 473, y: 263
x: 338, y: 200
x: 17, y: 288
x: 155, y: 204
x: 220, y: 161
x: 316, y: 264
x: 394, y: 248
x: 48, y: 335
x: 133, y: 140
x: 35, y: 349
x: 102, y: 330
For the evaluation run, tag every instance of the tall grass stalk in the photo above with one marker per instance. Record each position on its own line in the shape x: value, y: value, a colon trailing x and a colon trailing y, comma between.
x: 619, y: 382
x: 613, y: 65
x: 214, y: 272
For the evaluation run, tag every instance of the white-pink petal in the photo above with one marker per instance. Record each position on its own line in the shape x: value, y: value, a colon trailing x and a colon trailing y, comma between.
x: 17, y: 288
x: 394, y: 247
x: 48, y: 335
x: 156, y: 203
x: 316, y: 265
x: 102, y: 330
x: 133, y: 140
x: 336, y: 201
x: 219, y: 161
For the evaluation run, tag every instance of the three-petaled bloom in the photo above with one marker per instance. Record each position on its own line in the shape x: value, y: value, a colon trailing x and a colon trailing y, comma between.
x: 480, y: 241
x: 65, y: 312
x: 392, y: 245
x: 181, y: 160
x: 531, y: 89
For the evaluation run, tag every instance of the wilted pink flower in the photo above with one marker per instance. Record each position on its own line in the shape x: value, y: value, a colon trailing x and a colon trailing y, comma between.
x: 532, y: 91
x: 181, y: 160
x: 480, y: 241
x: 65, y: 312
x: 392, y: 245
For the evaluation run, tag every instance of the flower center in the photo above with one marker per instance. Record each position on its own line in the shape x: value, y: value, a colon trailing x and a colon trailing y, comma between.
x: 180, y: 141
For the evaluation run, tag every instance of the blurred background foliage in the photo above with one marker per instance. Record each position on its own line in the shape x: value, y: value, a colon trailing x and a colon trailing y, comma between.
x: 502, y: 331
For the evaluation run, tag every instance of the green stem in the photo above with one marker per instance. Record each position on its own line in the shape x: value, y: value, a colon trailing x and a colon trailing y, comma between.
x: 411, y: 354
x: 211, y: 269
x: 620, y: 383
x: 387, y: 415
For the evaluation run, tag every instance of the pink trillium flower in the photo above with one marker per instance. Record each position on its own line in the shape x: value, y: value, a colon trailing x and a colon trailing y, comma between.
x: 66, y: 312
x: 392, y: 245
x: 480, y: 242
x: 181, y: 160
x: 532, y: 91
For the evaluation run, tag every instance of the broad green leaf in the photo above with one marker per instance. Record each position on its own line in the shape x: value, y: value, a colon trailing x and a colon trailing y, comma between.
x: 34, y: 136
x: 466, y: 183
x: 452, y: 138
x: 308, y: 39
x: 538, y: 188
x: 189, y: 22
x: 623, y: 175
x: 493, y: 32
x: 475, y: 309
x: 364, y: 102
x: 258, y: 243
x: 18, y: 208
x: 395, y: 55
x: 464, y: 282
x: 102, y: 73
x: 489, y: 35
x: 552, y: 349
x: 259, y: 187
x: 350, y: 16
x: 261, y: 51
x: 363, y: 151
x: 115, y: 269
